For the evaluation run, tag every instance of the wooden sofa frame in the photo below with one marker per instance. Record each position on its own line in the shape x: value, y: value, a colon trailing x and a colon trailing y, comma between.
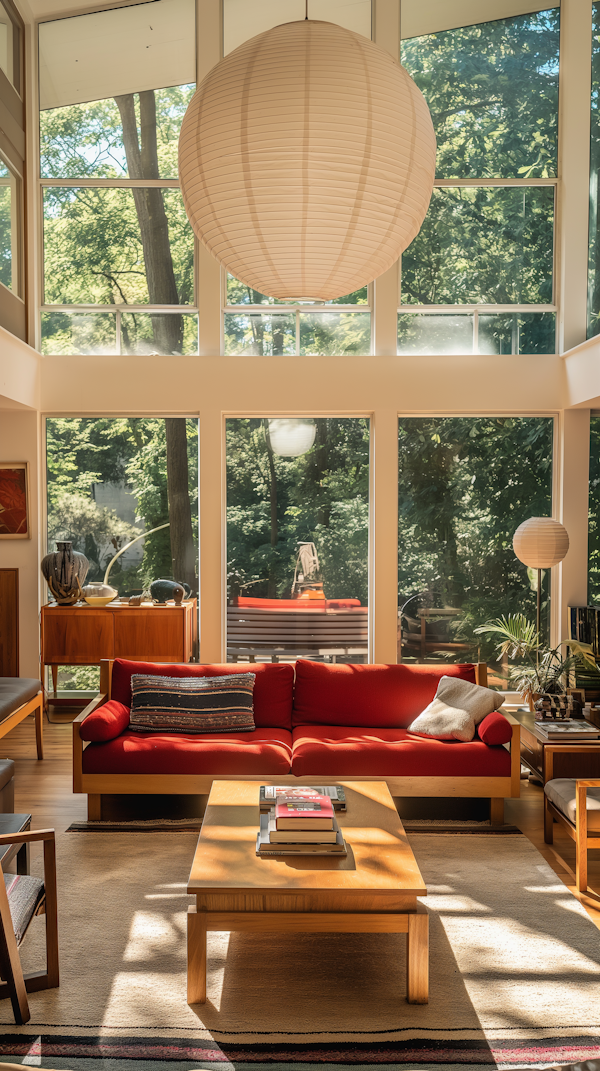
x: 33, y: 706
x: 99, y: 784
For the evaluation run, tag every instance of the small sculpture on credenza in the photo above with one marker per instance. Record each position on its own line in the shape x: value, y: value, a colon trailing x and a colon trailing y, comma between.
x: 65, y: 571
x: 162, y: 590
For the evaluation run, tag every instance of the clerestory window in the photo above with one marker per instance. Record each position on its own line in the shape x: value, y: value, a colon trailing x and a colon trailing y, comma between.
x: 479, y: 277
x: 118, y: 249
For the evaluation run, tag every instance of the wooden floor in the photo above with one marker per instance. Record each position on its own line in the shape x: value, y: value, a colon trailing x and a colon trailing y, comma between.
x: 44, y: 788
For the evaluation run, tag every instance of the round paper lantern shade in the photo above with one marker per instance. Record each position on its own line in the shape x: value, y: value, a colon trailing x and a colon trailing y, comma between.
x: 540, y: 542
x: 306, y: 161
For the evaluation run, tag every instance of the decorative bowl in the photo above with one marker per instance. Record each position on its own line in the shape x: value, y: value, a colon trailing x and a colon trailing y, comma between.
x: 96, y: 594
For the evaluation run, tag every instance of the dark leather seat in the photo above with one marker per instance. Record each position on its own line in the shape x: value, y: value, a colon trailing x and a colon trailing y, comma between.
x: 14, y: 692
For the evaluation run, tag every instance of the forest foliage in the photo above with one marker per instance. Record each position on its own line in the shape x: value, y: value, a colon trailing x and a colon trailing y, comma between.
x: 83, y: 452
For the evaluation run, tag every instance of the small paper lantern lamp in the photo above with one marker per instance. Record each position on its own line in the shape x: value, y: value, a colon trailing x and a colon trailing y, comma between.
x: 540, y: 543
x: 306, y: 160
x: 291, y: 437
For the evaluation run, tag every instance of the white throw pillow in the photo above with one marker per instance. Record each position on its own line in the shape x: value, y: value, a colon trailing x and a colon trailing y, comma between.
x: 457, y: 708
x: 444, y: 722
x: 477, y: 701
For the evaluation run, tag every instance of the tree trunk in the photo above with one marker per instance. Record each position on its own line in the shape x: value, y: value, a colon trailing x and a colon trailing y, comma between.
x: 142, y: 163
x: 180, y: 513
x: 272, y: 588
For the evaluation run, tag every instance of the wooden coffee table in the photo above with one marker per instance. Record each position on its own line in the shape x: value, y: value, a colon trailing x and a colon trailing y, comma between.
x: 373, y: 890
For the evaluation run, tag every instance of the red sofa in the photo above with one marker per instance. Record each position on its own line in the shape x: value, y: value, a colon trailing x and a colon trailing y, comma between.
x: 314, y: 721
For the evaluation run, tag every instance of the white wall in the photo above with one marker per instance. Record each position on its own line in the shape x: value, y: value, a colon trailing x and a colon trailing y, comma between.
x: 19, y: 441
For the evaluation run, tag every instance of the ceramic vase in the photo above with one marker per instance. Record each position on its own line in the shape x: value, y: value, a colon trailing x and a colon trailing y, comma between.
x: 64, y: 571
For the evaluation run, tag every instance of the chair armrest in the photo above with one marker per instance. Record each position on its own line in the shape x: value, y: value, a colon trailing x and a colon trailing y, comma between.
x: 98, y: 701
x: 588, y: 782
x: 27, y: 837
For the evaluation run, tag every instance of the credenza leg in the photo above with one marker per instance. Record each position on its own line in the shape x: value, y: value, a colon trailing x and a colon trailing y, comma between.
x: 417, y: 957
x: 39, y: 729
x: 196, y: 956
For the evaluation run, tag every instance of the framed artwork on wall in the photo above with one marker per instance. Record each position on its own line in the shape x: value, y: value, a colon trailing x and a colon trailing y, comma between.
x: 14, y: 500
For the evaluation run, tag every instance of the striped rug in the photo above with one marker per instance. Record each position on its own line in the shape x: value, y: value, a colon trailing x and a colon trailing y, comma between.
x: 515, y: 966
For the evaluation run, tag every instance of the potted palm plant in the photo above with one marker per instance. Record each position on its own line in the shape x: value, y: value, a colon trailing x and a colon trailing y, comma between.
x: 540, y: 671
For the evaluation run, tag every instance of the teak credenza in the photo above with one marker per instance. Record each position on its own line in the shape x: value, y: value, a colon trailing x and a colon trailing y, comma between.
x: 83, y: 635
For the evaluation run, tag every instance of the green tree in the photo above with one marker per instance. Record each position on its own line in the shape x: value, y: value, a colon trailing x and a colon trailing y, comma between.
x: 273, y: 503
x: 492, y: 90
x: 466, y: 483
x: 84, y: 452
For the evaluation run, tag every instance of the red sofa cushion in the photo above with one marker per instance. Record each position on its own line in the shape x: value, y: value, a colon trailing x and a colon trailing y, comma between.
x: 494, y: 729
x: 105, y: 723
x: 362, y: 695
x: 265, y: 751
x: 272, y: 689
x: 335, y: 751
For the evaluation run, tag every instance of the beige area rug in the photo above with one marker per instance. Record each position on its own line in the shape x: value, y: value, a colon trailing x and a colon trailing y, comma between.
x: 515, y: 970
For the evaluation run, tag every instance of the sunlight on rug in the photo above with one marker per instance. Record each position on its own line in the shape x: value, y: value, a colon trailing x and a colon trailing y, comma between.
x: 514, y: 971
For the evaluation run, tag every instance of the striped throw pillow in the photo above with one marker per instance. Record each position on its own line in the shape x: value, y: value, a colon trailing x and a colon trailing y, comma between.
x: 192, y: 704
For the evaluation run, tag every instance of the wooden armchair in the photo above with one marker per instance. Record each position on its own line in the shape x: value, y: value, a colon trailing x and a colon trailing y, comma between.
x: 566, y: 800
x: 21, y: 897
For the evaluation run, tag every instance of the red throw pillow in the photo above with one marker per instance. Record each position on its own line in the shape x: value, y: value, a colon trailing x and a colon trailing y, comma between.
x: 105, y: 723
x: 495, y: 729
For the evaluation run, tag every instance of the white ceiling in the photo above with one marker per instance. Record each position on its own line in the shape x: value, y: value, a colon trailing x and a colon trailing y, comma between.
x: 125, y: 50
x: 417, y: 14
x: 51, y: 9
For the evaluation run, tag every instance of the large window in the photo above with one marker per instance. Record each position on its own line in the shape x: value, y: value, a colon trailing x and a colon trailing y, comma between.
x: 111, y: 480
x: 118, y: 248
x: 297, y: 539
x: 479, y: 276
x: 466, y: 483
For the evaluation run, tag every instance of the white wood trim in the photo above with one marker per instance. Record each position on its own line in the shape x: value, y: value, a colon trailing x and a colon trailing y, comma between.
x: 571, y: 229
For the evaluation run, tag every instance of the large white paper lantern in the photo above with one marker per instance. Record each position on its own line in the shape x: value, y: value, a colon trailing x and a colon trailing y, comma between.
x: 541, y: 542
x: 306, y: 160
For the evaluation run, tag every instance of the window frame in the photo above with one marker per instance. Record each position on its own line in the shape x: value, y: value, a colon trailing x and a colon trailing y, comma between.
x: 13, y: 308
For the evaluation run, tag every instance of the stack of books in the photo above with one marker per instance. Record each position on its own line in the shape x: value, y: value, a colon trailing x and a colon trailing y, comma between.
x: 301, y: 821
x: 567, y: 729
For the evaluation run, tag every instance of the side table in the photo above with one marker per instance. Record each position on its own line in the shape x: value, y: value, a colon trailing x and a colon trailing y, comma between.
x: 550, y: 759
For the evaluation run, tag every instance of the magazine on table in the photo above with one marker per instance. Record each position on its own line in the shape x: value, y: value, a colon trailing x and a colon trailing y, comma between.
x: 269, y: 794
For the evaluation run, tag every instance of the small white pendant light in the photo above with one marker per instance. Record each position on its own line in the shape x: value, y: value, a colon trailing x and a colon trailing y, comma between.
x: 291, y: 436
x: 307, y: 159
